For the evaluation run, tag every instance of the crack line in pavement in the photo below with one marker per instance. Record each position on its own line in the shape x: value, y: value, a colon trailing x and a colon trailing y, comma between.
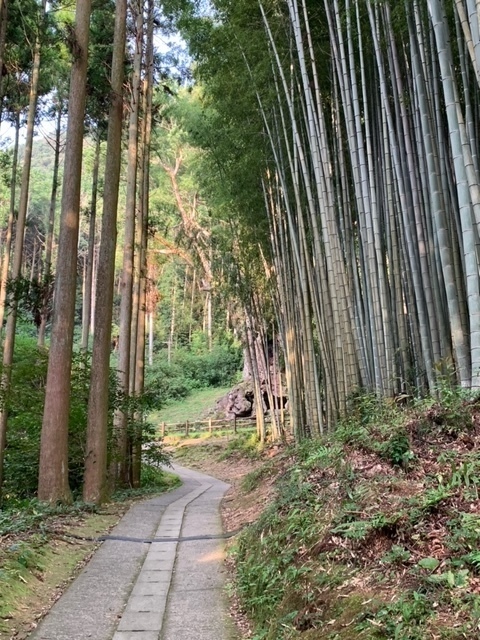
x: 219, y: 536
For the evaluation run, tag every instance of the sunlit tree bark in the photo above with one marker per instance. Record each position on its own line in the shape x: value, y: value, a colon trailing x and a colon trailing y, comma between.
x: 53, y: 473
x: 95, y: 479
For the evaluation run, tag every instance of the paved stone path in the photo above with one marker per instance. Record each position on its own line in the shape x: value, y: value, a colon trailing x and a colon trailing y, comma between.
x: 170, y: 589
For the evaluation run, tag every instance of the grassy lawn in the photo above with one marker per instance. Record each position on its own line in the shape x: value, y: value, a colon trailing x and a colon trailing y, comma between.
x: 194, y: 407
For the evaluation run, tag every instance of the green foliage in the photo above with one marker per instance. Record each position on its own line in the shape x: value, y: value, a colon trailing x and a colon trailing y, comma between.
x: 25, y: 407
x: 32, y: 298
x: 165, y: 381
x: 191, y: 369
x: 267, y: 550
x: 465, y: 531
x: 397, y: 450
x: 253, y: 479
x: 360, y: 529
x: 153, y: 480
x: 397, y: 555
x: 430, y: 564
x: 29, y: 515
x: 246, y: 444
x: 197, y: 405
x: 17, y: 561
x: 405, y: 619
x: 450, y: 579
x: 473, y: 560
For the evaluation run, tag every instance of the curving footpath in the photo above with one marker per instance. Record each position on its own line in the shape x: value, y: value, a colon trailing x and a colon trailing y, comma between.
x: 158, y: 576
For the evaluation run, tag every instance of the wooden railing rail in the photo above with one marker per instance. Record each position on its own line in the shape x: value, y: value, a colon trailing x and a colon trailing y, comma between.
x: 210, y: 425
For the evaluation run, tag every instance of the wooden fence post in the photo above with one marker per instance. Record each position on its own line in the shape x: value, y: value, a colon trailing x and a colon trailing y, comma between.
x: 163, y: 429
x: 187, y: 428
x: 210, y: 425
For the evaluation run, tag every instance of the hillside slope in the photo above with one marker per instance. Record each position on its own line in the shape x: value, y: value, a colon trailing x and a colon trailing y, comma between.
x: 373, y: 533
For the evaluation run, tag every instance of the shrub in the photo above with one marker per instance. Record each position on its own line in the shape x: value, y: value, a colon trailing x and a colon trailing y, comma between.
x: 25, y: 410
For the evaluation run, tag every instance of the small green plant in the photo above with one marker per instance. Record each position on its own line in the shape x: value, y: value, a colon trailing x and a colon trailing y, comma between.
x: 404, y: 619
x: 397, y: 555
x: 473, y: 559
x: 317, y: 454
x: 464, y: 475
x: 431, y: 499
x: 464, y: 531
x: 430, y: 564
x: 450, y: 579
x: 397, y: 450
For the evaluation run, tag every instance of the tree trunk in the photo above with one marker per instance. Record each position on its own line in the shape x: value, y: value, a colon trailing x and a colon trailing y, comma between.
x: 150, y: 338
x: 53, y: 473
x: 87, y: 300
x: 469, y: 234
x: 172, y: 325
x: 51, y: 221
x: 10, y: 224
x: 3, y: 34
x: 126, y: 289
x: 94, y: 488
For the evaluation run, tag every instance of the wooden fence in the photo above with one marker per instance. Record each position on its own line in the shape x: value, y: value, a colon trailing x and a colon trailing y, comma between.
x: 209, y: 426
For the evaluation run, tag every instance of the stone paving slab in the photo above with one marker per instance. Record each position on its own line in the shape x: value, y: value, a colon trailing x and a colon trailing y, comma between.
x: 135, y: 635
x: 141, y: 620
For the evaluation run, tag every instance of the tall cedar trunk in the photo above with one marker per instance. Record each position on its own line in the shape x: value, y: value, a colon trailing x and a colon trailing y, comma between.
x: 51, y: 220
x: 94, y: 488
x: 150, y: 337
x: 171, y: 336
x: 142, y: 260
x: 53, y: 472
x: 10, y: 224
x: 251, y: 353
x: 9, y: 345
x: 192, y: 301
x: 87, y: 300
x: 3, y: 34
x: 138, y: 245
x: 120, y: 462
x: 33, y: 261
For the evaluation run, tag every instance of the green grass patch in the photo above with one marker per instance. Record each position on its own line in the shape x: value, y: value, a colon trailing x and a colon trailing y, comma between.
x: 191, y: 408
x: 154, y: 481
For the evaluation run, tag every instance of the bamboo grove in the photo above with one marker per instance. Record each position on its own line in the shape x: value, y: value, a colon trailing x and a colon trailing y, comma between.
x: 361, y: 121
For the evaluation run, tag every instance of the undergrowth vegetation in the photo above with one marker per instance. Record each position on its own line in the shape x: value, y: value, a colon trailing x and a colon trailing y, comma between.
x: 375, y: 530
x: 25, y: 409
